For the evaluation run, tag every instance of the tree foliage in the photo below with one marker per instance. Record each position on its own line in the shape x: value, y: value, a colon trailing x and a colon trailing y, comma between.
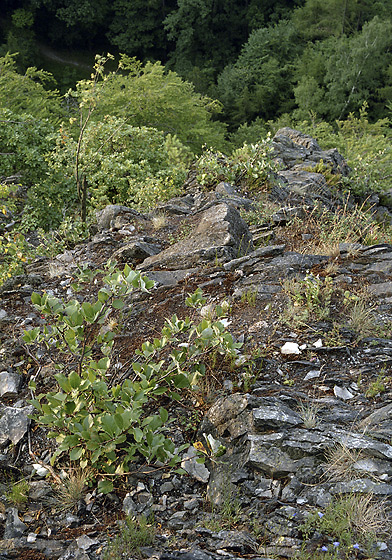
x: 338, y: 75
x: 28, y: 93
x: 150, y: 96
x: 121, y: 163
x: 258, y: 84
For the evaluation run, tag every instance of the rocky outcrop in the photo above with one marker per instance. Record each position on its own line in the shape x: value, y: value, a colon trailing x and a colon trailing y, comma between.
x: 295, y: 428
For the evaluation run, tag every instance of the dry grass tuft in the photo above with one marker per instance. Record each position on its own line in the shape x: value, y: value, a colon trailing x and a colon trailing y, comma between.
x: 340, y: 461
x: 367, y: 516
x: 361, y: 319
x: 72, y: 489
x: 308, y: 413
x: 159, y: 221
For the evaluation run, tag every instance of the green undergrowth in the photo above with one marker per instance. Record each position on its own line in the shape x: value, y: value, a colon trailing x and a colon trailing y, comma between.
x: 348, y: 527
x: 134, y: 534
x: 100, y: 417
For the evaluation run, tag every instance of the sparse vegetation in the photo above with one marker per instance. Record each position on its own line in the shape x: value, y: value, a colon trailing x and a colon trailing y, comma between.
x: 308, y: 412
x: 134, y: 534
x: 98, y: 421
x: 377, y: 387
x: 340, y: 462
x: 73, y: 487
x: 348, y: 523
x: 309, y: 297
x: 18, y: 493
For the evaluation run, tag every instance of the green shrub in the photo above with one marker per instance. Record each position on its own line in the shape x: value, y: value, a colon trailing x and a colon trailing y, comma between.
x: 123, y: 164
x: 366, y: 146
x: 251, y: 165
x: 97, y: 420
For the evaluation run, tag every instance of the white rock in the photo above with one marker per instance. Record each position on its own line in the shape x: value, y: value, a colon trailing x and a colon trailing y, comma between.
x: 342, y: 393
x: 312, y: 374
x: 40, y: 470
x: 290, y: 348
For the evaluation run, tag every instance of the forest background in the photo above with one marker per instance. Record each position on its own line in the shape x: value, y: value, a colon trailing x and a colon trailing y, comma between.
x: 197, y: 80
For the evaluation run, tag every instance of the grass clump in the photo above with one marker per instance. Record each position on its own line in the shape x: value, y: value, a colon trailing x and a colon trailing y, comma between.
x: 348, y: 524
x: 340, y: 462
x: 361, y: 319
x: 225, y: 517
x: 377, y: 387
x: 249, y: 297
x: 72, y: 489
x: 135, y: 533
x: 309, y: 298
x: 18, y: 494
x: 327, y: 230
x: 308, y: 413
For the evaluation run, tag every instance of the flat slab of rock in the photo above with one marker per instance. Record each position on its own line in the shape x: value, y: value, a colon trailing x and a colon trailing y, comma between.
x: 221, y: 234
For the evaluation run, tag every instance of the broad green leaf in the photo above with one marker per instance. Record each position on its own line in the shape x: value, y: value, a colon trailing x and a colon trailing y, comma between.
x: 109, y: 424
x: 35, y: 298
x: 76, y: 453
x: 105, y: 486
x: 138, y: 434
x: 118, y: 304
x: 164, y: 415
x: 74, y: 380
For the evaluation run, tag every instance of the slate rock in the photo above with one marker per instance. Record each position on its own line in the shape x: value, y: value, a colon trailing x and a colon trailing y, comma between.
x: 270, y: 460
x: 363, y: 486
x: 353, y: 440
x: 136, y: 251
x: 237, y: 541
x: 195, y: 554
x: 106, y: 217
x: 14, y: 423
x: 225, y: 418
x: 14, y: 527
x: 221, y: 234
x: 10, y: 383
x: 275, y: 416
x: 192, y: 467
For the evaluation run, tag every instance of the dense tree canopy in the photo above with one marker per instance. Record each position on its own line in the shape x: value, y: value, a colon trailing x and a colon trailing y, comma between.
x: 250, y: 61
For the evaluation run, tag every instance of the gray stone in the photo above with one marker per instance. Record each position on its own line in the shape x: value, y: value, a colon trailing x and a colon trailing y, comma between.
x: 384, y: 289
x: 106, y: 216
x: 177, y: 206
x: 84, y: 542
x: 14, y: 423
x: 274, y: 416
x: 225, y: 418
x: 247, y: 262
x: 380, y: 415
x: 14, y: 527
x: 270, y: 460
x: 237, y: 541
x: 220, y: 235
x: 342, y: 393
x: 364, y: 486
x: 136, y: 251
x: 129, y: 506
x: 193, y: 468
x: 166, y: 487
x: 376, y: 467
x: 352, y: 440
x: 170, y: 277
x: 73, y: 552
x: 10, y: 383
x: 178, y: 520
x: 292, y: 146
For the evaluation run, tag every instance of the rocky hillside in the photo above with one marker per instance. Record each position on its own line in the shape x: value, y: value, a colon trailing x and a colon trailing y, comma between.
x: 293, y: 421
